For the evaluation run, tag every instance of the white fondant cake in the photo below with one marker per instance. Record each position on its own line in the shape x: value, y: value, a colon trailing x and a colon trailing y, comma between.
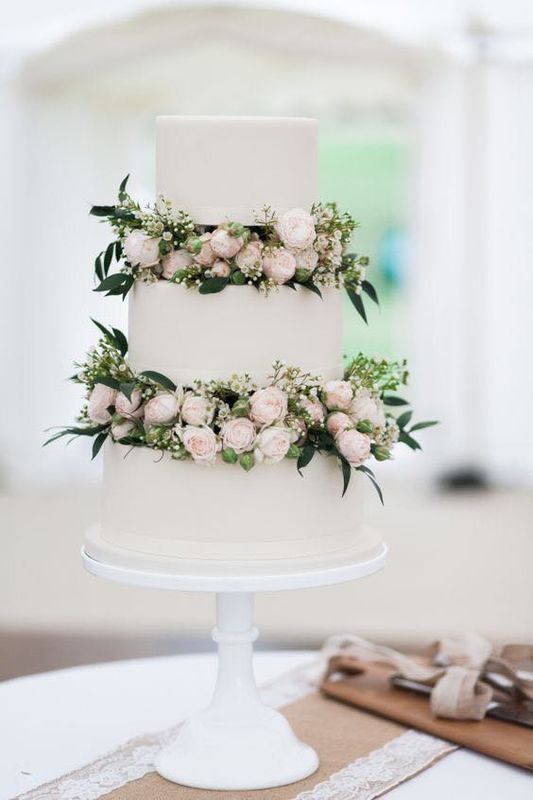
x: 158, y: 513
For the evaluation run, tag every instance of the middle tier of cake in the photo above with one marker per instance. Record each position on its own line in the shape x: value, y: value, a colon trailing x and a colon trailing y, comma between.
x: 186, y: 335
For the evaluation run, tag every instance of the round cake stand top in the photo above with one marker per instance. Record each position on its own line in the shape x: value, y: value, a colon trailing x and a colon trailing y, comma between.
x: 255, y: 580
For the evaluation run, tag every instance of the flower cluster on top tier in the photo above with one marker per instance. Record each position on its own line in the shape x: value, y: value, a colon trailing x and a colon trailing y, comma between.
x: 295, y: 415
x: 298, y: 248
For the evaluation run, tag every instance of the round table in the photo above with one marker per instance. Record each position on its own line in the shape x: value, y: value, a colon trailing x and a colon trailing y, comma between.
x: 58, y: 721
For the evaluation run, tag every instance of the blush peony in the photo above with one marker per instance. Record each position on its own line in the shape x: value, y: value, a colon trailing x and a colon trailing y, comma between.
x: 100, y: 399
x: 250, y: 255
x: 338, y: 395
x: 141, y: 250
x: 161, y: 410
x: 306, y: 259
x: 239, y: 434
x: 121, y: 429
x: 279, y: 265
x: 338, y: 421
x: 196, y: 410
x: 178, y: 259
x: 366, y: 405
x: 272, y: 444
x: 268, y: 406
x: 129, y: 408
x: 206, y: 257
x: 296, y: 229
x: 354, y: 446
x: 201, y: 443
x: 224, y: 245
x: 220, y: 269
x: 314, y: 408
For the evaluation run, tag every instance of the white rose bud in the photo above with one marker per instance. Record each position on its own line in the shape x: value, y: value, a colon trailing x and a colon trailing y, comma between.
x: 306, y: 259
x: 220, y: 269
x: 224, y: 245
x: 338, y: 395
x: 206, y: 257
x: 161, y: 410
x: 268, y: 406
x: 250, y: 255
x: 201, y: 443
x: 365, y: 405
x: 272, y: 444
x: 196, y: 410
x: 129, y: 408
x: 177, y: 259
x: 354, y: 446
x: 279, y: 265
x: 314, y: 408
x: 339, y: 421
x: 141, y: 250
x: 121, y: 429
x: 239, y: 434
x: 100, y: 399
x: 296, y: 229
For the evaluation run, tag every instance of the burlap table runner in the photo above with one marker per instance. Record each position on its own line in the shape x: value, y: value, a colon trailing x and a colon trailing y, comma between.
x: 361, y: 756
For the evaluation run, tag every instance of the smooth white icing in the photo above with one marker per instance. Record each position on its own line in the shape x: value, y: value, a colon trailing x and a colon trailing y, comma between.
x: 186, y: 335
x: 220, y: 168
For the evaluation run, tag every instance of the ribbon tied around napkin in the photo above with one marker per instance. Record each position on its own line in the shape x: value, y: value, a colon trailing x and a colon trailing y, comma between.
x: 462, y: 673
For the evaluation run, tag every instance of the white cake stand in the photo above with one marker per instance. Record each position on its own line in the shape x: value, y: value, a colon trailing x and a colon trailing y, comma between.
x: 236, y: 743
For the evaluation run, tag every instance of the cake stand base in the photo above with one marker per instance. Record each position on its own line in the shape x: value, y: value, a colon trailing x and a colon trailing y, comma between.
x: 236, y: 743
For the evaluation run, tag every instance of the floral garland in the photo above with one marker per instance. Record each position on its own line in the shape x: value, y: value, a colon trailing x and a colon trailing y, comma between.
x: 300, y: 248
x: 295, y: 415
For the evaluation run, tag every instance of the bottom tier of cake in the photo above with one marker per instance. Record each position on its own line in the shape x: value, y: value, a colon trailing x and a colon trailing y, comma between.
x: 157, y: 512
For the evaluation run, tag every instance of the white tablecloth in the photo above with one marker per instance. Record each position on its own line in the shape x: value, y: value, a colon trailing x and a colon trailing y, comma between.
x: 53, y: 723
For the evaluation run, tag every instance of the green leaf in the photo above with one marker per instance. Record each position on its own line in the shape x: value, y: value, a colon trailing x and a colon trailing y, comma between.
x: 98, y: 442
x: 122, y: 187
x: 98, y: 270
x: 312, y: 288
x: 103, y: 329
x: 162, y: 380
x: 291, y: 285
x: 409, y: 441
x: 370, y: 291
x: 120, y: 341
x: 305, y: 457
x: 102, y: 211
x: 75, y: 431
x: 127, y: 389
x: 107, y: 380
x: 372, y: 478
x: 346, y: 475
x: 112, y: 282
x: 392, y: 400
x: 404, y: 419
x: 118, y: 250
x: 421, y: 425
x: 229, y: 455
x: 357, y: 303
x: 110, y: 249
x: 213, y: 285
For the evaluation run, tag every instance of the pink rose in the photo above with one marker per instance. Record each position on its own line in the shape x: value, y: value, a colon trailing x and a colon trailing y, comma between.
x: 239, y: 434
x: 339, y: 421
x: 354, y: 446
x: 201, y: 443
x: 206, y: 256
x: 177, y: 259
x: 141, y: 250
x: 268, y: 406
x: 314, y: 408
x: 121, y: 429
x: 161, y: 410
x: 365, y: 405
x: 279, y: 265
x: 100, y: 399
x: 129, y: 408
x: 338, y: 395
x: 196, y: 410
x: 272, y: 444
x: 296, y: 229
x: 306, y: 259
x: 224, y: 245
x: 220, y: 269
x: 250, y: 255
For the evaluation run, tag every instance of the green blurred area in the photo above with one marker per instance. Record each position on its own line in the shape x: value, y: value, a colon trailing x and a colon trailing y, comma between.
x: 367, y: 175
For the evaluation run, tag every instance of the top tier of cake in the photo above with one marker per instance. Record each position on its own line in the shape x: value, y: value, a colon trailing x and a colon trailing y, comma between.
x: 228, y: 168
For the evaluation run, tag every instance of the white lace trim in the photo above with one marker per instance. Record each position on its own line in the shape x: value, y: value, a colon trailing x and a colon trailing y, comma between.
x: 380, y: 770
x: 364, y: 779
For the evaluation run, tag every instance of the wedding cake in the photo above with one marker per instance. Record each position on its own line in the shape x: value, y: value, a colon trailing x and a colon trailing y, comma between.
x: 229, y: 425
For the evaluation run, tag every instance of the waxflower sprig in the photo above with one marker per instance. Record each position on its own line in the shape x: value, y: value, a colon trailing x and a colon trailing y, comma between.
x: 298, y: 248
x: 295, y: 415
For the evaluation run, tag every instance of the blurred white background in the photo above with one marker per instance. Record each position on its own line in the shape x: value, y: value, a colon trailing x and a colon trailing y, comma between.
x: 426, y: 124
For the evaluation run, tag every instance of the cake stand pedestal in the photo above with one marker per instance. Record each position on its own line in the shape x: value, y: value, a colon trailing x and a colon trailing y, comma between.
x: 236, y: 743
